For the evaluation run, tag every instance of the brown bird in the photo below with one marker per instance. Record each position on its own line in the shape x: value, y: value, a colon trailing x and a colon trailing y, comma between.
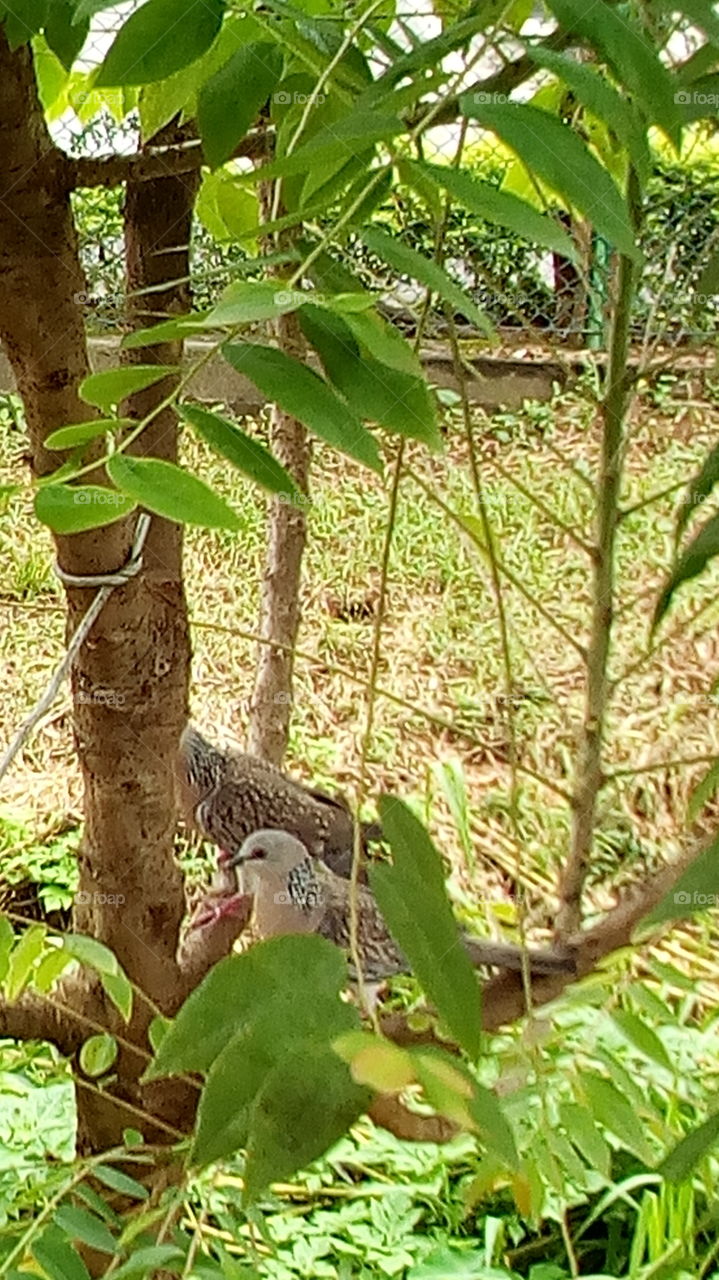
x: 294, y: 893
x: 226, y: 795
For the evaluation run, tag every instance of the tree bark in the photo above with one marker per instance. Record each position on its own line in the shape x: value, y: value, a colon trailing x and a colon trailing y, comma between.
x: 271, y: 702
x: 130, y: 678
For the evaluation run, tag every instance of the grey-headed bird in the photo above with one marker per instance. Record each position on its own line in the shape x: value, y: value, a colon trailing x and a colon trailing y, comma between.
x: 294, y: 893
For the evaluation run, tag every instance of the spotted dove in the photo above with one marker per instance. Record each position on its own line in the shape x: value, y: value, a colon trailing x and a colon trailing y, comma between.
x: 294, y: 893
x: 227, y: 795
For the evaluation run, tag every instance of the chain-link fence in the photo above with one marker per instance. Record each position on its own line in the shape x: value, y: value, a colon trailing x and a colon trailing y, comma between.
x: 530, y: 296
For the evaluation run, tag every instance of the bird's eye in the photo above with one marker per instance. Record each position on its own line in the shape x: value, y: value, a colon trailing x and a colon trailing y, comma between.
x: 258, y: 853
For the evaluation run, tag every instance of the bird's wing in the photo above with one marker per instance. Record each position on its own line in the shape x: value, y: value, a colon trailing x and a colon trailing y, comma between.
x: 243, y: 805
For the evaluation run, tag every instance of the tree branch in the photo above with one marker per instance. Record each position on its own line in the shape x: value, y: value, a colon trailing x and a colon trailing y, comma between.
x: 145, y: 166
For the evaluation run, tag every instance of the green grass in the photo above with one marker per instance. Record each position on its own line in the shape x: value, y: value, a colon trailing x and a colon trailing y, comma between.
x: 440, y: 647
x: 377, y: 1206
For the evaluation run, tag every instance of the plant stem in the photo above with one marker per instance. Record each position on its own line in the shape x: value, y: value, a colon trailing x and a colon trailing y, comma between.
x: 589, y: 775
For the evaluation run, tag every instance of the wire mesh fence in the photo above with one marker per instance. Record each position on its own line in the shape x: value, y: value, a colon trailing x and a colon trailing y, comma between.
x: 530, y: 296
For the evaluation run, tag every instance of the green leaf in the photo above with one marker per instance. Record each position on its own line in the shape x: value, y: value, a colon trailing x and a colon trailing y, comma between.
x: 160, y: 101
x: 555, y: 154
x: 7, y: 942
x: 64, y: 34
x: 611, y: 1108
x: 409, y: 262
x: 699, y: 489
x: 119, y: 989
x: 301, y: 392
x: 282, y: 998
x: 380, y: 339
x: 304, y: 1106
x: 398, y: 401
x: 703, y: 791
x: 692, y: 561
x: 71, y: 508
x: 50, y: 968
x: 341, y: 140
x: 22, y: 22
x: 413, y: 899
x: 586, y: 1136
x: 160, y: 38
x: 146, y: 1262
x: 82, y: 432
x: 56, y: 1256
x: 502, y: 208
x: 118, y: 1181
x: 171, y: 492
x: 376, y: 1062
x: 447, y: 1263
x: 630, y: 55
x: 98, y: 1054
x: 685, y: 1156
x: 697, y: 889
x: 166, y: 331
x: 596, y: 93
x: 22, y: 959
x: 157, y: 1031
x: 227, y: 208
x: 642, y: 1037
x: 113, y: 385
x: 248, y: 302
x: 229, y: 102
x: 414, y: 174
x: 90, y: 952
x: 80, y: 1224
x: 248, y: 455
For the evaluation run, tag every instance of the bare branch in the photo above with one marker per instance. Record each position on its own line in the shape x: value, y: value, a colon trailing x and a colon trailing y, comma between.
x: 164, y: 162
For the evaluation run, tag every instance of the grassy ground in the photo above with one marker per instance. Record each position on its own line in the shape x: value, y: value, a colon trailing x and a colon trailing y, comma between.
x: 377, y: 1203
x: 441, y: 656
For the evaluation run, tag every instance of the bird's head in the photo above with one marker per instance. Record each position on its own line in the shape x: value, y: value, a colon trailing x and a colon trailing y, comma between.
x: 272, y: 850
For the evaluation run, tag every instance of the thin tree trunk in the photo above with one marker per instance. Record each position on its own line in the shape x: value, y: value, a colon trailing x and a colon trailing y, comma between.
x: 271, y: 703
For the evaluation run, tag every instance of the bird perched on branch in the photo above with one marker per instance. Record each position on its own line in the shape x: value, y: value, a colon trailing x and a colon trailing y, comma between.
x: 294, y: 893
x: 227, y: 795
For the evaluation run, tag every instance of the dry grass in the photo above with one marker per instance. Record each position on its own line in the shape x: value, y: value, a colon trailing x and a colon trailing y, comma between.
x: 441, y: 657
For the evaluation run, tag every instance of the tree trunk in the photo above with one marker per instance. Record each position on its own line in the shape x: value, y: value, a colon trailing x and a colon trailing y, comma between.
x: 271, y: 703
x: 130, y: 678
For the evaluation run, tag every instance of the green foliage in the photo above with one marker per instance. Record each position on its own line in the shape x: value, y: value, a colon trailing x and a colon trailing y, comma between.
x: 301, y: 392
x: 169, y: 491
x: 412, y: 896
x: 247, y: 78
x: 160, y: 38
x: 557, y: 155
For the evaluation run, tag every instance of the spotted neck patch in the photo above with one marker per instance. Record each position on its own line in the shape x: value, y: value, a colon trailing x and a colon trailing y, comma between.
x: 304, y: 887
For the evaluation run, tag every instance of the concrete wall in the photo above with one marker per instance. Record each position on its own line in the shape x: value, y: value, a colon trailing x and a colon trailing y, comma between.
x: 496, y: 381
